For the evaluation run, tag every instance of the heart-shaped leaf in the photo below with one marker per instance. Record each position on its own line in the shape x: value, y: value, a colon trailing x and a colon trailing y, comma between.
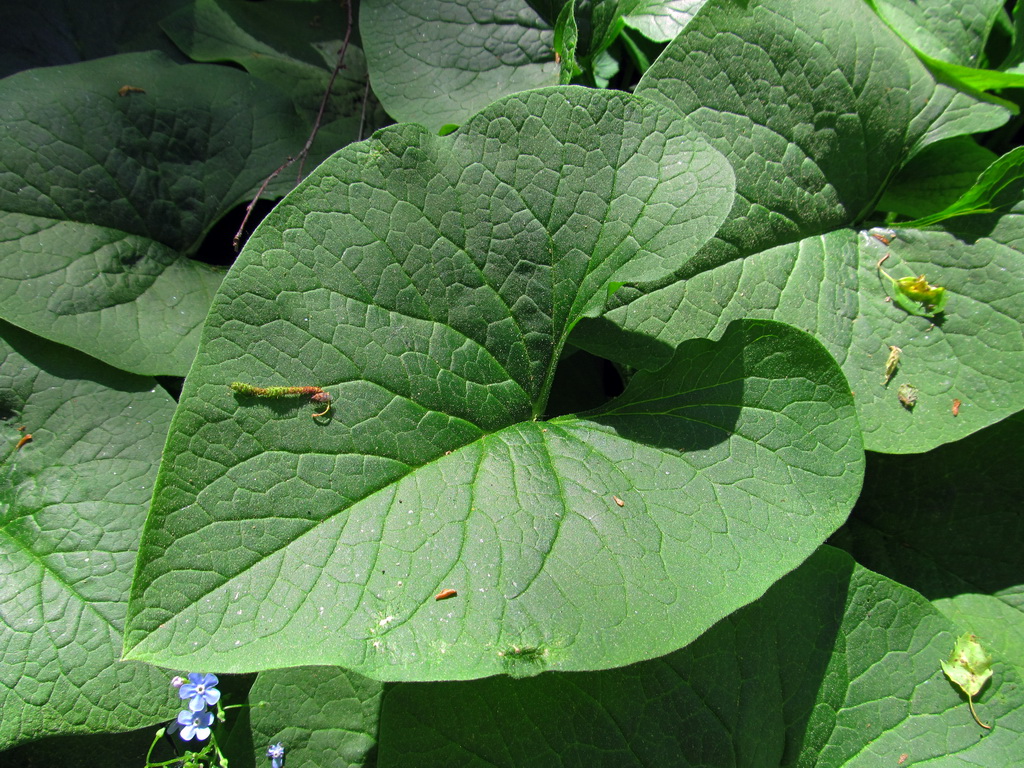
x: 429, y: 284
x: 80, y: 442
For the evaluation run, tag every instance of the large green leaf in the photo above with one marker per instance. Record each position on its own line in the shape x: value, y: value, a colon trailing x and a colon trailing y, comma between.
x: 430, y: 284
x: 830, y: 287
x: 834, y: 667
x: 295, y: 47
x: 103, y: 195
x: 953, y: 32
x: 948, y: 524
x: 72, y: 502
x: 812, y: 125
x: 436, y: 62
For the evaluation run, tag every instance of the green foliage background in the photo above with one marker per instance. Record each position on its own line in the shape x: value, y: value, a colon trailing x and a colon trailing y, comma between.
x: 595, y: 289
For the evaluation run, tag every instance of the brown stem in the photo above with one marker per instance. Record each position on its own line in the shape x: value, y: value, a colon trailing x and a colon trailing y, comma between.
x: 301, y: 156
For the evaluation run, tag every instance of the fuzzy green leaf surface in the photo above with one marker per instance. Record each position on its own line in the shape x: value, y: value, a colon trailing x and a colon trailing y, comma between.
x: 72, y: 503
x: 436, y: 62
x: 947, y: 523
x: 103, y: 196
x: 835, y: 667
x: 952, y: 32
x: 812, y: 126
x: 429, y: 284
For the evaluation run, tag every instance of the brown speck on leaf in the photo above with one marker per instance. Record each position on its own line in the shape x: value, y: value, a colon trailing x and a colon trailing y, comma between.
x: 618, y: 501
x: 26, y: 438
x: 444, y: 594
x: 903, y: 759
x: 956, y: 407
x: 558, y: 58
x: 124, y: 90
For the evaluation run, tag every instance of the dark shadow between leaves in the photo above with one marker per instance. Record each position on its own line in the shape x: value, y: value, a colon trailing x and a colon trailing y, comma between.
x: 946, y: 522
x: 697, y: 706
x: 692, y: 403
x: 67, y: 363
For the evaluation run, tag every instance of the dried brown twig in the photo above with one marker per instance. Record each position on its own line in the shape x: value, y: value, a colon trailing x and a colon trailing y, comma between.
x: 304, y: 152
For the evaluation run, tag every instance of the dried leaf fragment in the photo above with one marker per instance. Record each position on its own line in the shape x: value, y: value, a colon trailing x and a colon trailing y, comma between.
x: 618, y: 501
x: 956, y: 407
x: 892, y: 363
x: 124, y: 90
x: 444, y: 594
x: 969, y: 668
x: 907, y: 393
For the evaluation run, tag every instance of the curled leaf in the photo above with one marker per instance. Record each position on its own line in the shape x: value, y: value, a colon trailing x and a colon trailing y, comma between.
x: 915, y: 294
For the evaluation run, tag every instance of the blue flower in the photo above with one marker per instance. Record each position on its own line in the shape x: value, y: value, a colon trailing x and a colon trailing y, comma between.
x: 195, y: 724
x: 200, y: 691
x: 276, y: 754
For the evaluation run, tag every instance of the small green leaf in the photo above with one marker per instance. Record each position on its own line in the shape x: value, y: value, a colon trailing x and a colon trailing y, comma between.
x: 998, y: 189
x: 969, y: 667
x: 915, y: 294
x: 565, y: 42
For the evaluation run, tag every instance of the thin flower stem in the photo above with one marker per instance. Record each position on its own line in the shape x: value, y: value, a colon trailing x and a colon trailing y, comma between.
x: 156, y: 737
